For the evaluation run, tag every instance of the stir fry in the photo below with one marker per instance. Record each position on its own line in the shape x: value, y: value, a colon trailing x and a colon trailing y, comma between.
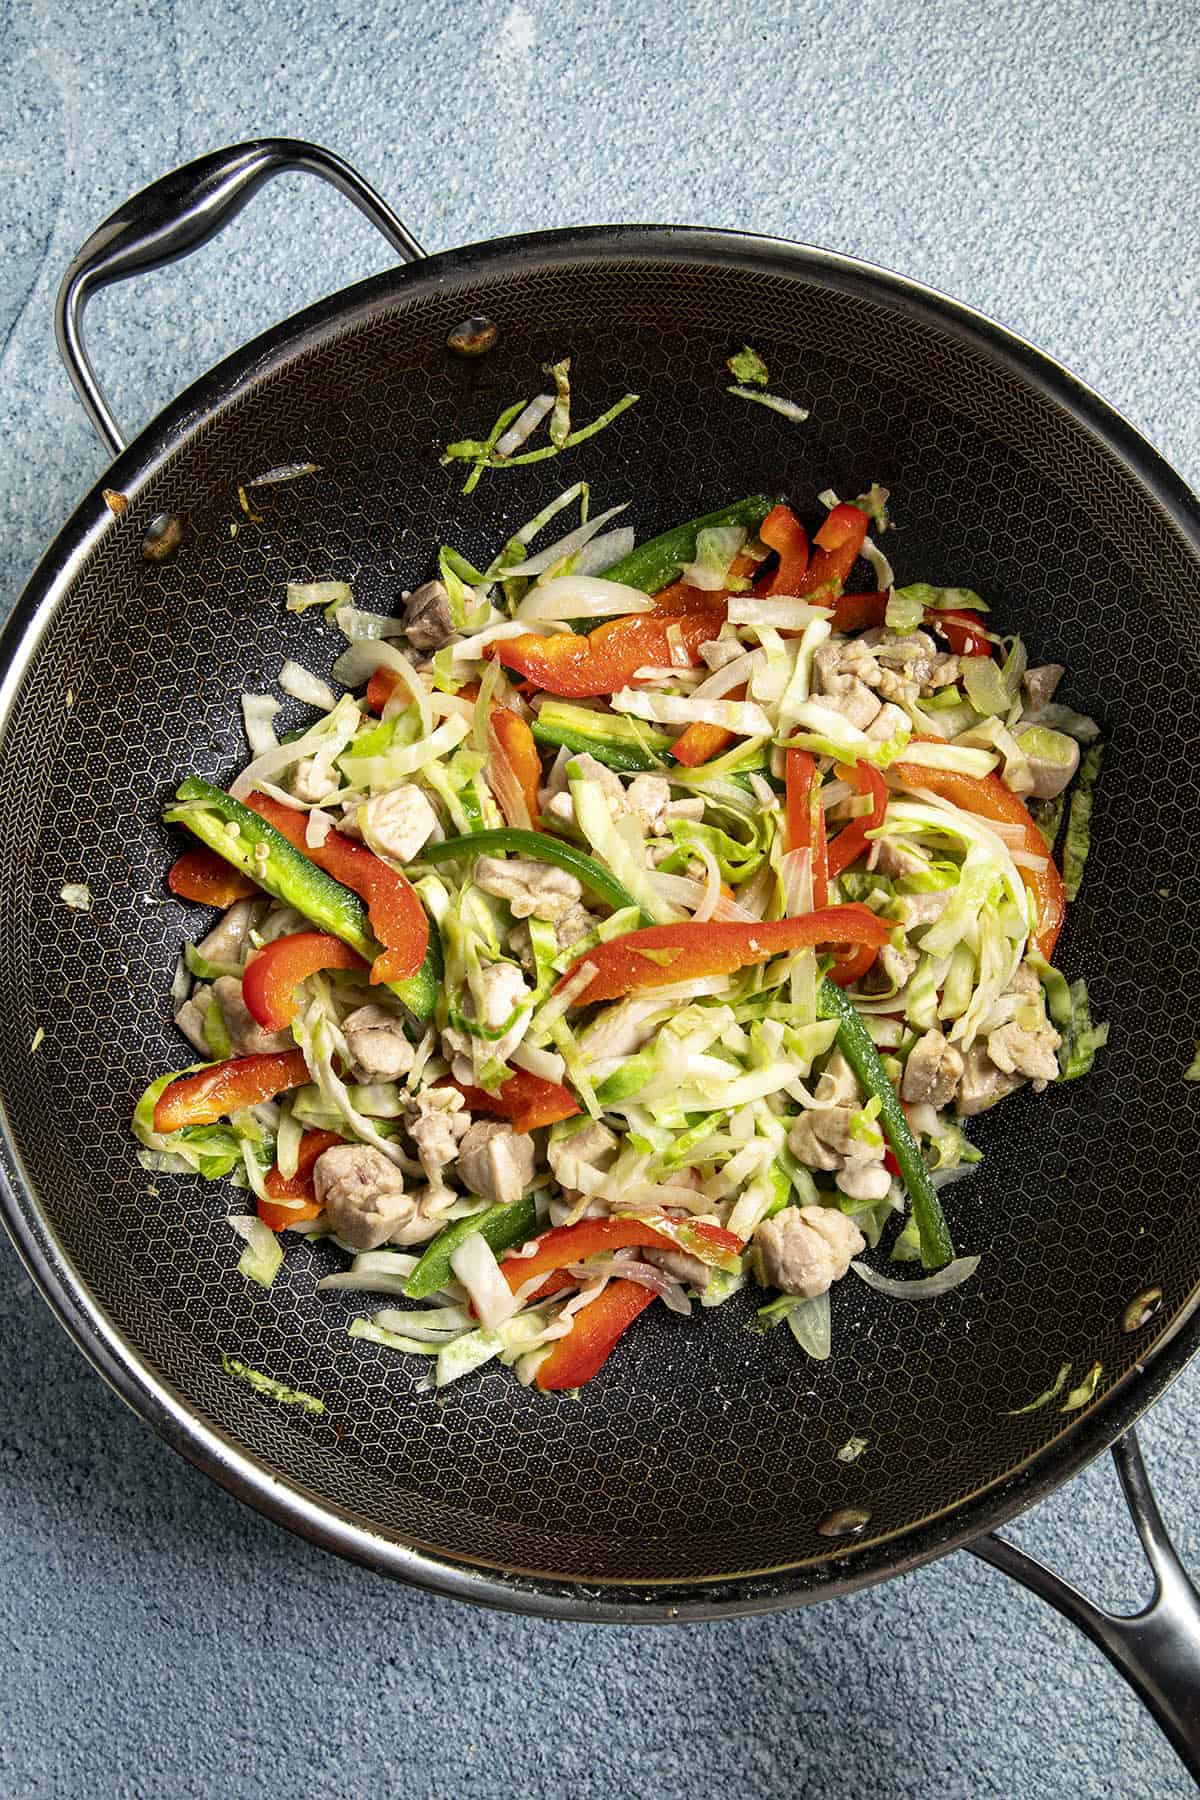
x: 639, y: 922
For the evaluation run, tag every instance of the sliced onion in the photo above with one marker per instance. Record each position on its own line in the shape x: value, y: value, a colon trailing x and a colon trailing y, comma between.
x: 884, y: 575
x: 355, y: 625
x: 928, y: 1287
x: 524, y: 425
x: 743, y: 717
x: 612, y: 547
x: 711, y: 895
x: 779, y: 610
x: 360, y: 661
x: 470, y: 649
x: 303, y: 594
x: 582, y: 597
x: 258, y: 714
x: 796, y: 869
x: 565, y: 546
x: 669, y: 1289
x: 302, y: 684
x: 547, y: 1064
x: 735, y: 673
x: 318, y: 828
x: 429, y: 1325
x: 763, y: 792
x: 475, y: 1265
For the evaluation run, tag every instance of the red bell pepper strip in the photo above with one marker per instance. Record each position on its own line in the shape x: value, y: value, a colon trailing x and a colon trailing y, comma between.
x: 528, y: 1100
x: 664, y: 954
x: 858, y: 612
x: 782, y: 531
x: 296, y: 1187
x: 516, y: 744
x: 594, y: 1331
x: 988, y: 796
x: 806, y: 819
x: 681, y: 597
x: 273, y: 973
x: 852, y: 841
x: 963, y: 631
x: 592, y: 1237
x: 700, y: 743
x: 225, y: 1087
x: 837, y: 548
x: 396, y: 915
x: 204, y: 876
x: 579, y: 668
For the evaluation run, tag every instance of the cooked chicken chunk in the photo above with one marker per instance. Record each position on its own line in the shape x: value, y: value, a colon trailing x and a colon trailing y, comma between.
x: 532, y: 889
x: 982, y: 1083
x: 400, y: 822
x: 1052, y: 757
x: 312, y: 781
x: 1020, y: 1051
x: 226, y: 942
x: 427, y: 617
x: 922, y: 909
x: 933, y: 1071
x: 804, y: 1250
x: 887, y: 722
x: 1041, y: 684
x: 892, y: 857
x: 719, y: 651
x: 246, y: 1034
x: 363, y: 1195
x: 914, y: 658
x: 648, y: 798
x: 593, y: 1146
x: 437, y: 1119
x: 497, y: 1162
x: 375, y: 1039
x: 677, y: 1263
x: 842, y: 680
x: 190, y: 1019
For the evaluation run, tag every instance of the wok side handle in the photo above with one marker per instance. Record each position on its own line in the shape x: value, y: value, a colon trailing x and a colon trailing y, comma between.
x: 175, y: 216
x: 1158, y: 1649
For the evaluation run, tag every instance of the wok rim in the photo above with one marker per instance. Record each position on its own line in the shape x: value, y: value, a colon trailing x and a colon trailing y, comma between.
x: 118, y: 1362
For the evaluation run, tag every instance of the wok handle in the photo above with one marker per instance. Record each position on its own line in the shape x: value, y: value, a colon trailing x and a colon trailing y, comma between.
x: 177, y: 214
x: 1158, y: 1649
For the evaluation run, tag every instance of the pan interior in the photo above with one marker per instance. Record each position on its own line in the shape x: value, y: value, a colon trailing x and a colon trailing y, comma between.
x: 704, y: 1451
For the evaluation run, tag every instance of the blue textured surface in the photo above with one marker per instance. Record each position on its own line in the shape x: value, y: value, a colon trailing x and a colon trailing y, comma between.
x: 159, y: 1639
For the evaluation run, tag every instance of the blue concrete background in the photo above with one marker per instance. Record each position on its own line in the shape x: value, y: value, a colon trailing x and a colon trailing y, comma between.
x: 1036, y: 161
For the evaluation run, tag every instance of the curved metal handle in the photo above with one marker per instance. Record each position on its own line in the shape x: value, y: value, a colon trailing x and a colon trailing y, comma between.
x: 178, y: 214
x: 1158, y: 1649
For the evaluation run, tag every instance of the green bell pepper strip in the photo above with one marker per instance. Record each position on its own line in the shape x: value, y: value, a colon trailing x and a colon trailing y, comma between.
x: 542, y: 848
x: 265, y: 854
x: 659, y: 561
x: 626, y: 758
x: 501, y: 1226
x: 854, y: 1041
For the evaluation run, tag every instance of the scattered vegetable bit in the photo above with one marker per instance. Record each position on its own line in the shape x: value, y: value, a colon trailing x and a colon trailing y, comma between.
x: 1051, y: 1393
x: 748, y: 368
x: 77, y: 895
x: 267, y: 1384
x: 1079, y: 1396
x: 852, y: 1449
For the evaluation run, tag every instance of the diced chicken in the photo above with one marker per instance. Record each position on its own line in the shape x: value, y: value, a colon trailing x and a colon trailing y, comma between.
x: 190, y: 1020
x: 575, y: 924
x: 863, y: 1181
x: 1041, y: 684
x: 982, y: 1083
x: 922, y: 909
x: 532, y: 889
x: 838, y: 1084
x: 400, y: 822
x: 840, y: 682
x: 427, y: 617
x: 933, y: 1071
x: 1025, y: 981
x: 1052, y: 758
x: 804, y: 1250
x: 892, y: 857
x: 437, y: 1120
x: 1019, y: 1051
x: 501, y: 990
x: 914, y: 657
x: 226, y: 942
x: 348, y: 824
x: 891, y: 970
x: 375, y: 1039
x: 593, y: 1146
x: 496, y: 1162
x: 363, y: 1195
x: 887, y: 722
x: 647, y: 797
x: 245, y: 1033
x: 312, y: 781
x: 719, y: 651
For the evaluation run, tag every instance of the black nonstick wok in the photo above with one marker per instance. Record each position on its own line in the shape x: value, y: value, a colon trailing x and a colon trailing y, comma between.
x: 699, y: 1475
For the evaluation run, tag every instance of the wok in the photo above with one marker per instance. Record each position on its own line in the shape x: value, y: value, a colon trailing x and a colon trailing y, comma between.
x: 699, y: 1476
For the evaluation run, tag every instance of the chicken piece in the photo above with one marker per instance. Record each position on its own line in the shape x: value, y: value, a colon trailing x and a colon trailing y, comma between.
x: 427, y: 619
x: 245, y: 1033
x: 933, y: 1071
x: 575, y: 924
x: 312, y: 781
x: 1052, y: 758
x: 893, y: 858
x: 843, y: 676
x: 592, y: 1146
x: 226, y: 942
x: 680, y: 1266
x: 1019, y: 1051
x: 1041, y: 684
x: 915, y: 657
x: 838, y: 1084
x: 863, y: 1181
x: 437, y: 1118
x: 376, y: 1041
x: 982, y: 1083
x: 190, y: 1020
x: 501, y: 992
x: 887, y: 722
x: 804, y: 1250
x: 822, y: 1138
x: 363, y: 1195
x: 647, y: 797
x: 348, y: 824
x: 399, y: 823
x: 496, y: 1162
x: 891, y: 970
x: 532, y: 889
x: 916, y: 910
x: 719, y: 651
x: 558, y: 803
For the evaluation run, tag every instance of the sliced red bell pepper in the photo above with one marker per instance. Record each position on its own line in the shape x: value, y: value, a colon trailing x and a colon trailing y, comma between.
x: 988, y: 796
x: 806, y: 819
x: 516, y: 744
x: 700, y: 743
x: 574, y: 1359
x: 592, y: 1237
x: 681, y: 597
x: 273, y: 973
x: 963, y: 631
x: 396, y: 915
x: 204, y: 876
x: 214, y: 1093
x: 528, y: 1100
x: 858, y: 612
x: 298, y: 1186
x: 838, y: 544
x: 579, y: 668
x: 852, y: 841
x: 664, y: 954
x: 782, y: 531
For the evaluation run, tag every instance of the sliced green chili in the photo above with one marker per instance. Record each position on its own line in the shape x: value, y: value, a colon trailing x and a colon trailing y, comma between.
x: 657, y: 562
x: 542, y: 848
x: 501, y: 1226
